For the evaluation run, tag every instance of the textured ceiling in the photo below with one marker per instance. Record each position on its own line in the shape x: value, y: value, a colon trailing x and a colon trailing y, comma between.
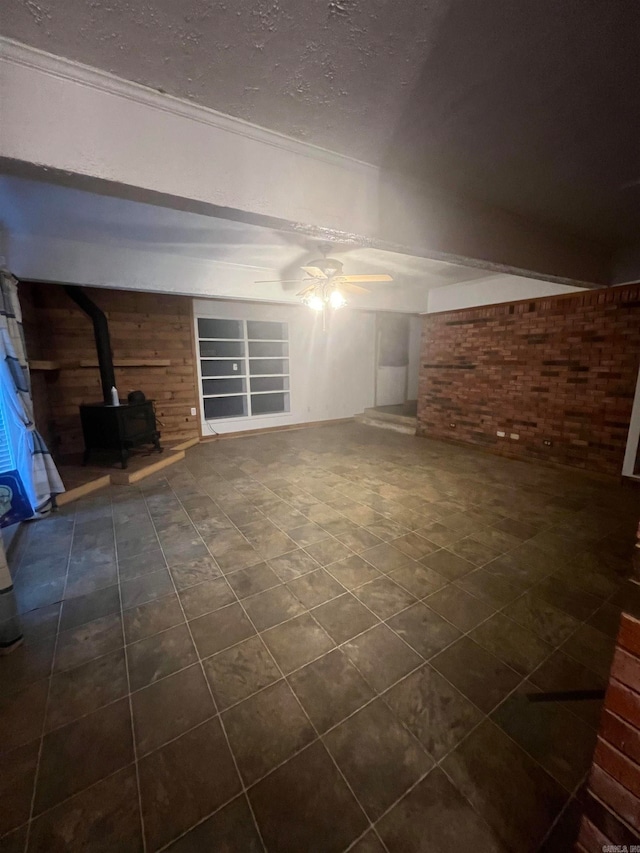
x: 527, y: 104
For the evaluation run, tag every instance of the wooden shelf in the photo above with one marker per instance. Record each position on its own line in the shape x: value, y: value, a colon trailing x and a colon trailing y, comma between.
x: 44, y: 364
x: 47, y: 364
x: 129, y: 362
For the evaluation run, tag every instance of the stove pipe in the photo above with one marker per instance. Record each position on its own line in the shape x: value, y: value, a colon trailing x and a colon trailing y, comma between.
x: 101, y: 333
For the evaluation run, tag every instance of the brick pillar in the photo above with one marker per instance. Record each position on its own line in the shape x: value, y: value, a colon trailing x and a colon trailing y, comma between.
x: 612, y: 810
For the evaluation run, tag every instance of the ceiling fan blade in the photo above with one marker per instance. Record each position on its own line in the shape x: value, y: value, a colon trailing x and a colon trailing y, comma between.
x: 307, y: 289
x: 384, y: 277
x: 352, y: 288
x: 314, y: 272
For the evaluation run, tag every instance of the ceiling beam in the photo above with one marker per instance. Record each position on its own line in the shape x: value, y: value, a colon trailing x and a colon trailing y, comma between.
x: 69, y: 122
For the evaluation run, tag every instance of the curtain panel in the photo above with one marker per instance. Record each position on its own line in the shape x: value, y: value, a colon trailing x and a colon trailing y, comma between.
x: 29, y: 479
x: 36, y: 468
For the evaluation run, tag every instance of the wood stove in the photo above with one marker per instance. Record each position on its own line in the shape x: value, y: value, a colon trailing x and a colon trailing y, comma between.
x: 105, y: 426
x: 108, y: 427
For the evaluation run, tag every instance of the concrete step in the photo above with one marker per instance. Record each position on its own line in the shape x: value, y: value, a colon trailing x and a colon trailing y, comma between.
x: 392, y: 417
x: 399, y: 424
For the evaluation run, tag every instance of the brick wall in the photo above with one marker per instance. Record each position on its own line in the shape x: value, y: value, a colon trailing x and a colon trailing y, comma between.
x: 560, y: 369
x: 612, y: 801
x: 141, y: 325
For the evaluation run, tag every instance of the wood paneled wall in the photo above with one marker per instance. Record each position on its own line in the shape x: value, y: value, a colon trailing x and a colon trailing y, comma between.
x: 141, y: 326
x: 39, y: 380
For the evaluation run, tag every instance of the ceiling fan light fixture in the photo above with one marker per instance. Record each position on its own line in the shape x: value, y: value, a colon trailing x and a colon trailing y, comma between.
x: 337, y: 300
x: 315, y: 302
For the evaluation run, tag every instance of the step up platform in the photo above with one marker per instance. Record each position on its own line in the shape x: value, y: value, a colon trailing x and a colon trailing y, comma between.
x: 389, y: 417
x: 82, y: 480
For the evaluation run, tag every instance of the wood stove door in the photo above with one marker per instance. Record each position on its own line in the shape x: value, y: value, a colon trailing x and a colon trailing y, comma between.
x: 137, y: 423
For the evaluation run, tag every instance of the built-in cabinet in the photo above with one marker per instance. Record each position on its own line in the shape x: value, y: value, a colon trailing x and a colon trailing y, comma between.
x: 244, y: 367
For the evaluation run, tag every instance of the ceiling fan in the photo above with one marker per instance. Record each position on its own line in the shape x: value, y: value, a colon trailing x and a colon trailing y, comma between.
x: 325, y: 284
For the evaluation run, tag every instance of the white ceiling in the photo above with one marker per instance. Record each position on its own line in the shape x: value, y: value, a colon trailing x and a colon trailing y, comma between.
x: 47, y: 215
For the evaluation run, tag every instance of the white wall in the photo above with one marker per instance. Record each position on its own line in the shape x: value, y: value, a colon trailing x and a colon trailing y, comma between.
x: 332, y: 373
x: 490, y: 291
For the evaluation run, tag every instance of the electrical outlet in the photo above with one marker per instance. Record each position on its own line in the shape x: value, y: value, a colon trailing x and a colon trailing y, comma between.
x: 514, y: 436
x: 235, y: 366
x: 193, y: 411
x: 501, y: 434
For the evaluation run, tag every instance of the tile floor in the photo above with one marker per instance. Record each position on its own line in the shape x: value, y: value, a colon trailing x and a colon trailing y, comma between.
x: 313, y: 641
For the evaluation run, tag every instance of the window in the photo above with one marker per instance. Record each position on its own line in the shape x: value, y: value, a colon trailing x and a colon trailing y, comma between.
x: 244, y: 368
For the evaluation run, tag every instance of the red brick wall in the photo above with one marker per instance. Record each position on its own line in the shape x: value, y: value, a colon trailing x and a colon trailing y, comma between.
x: 612, y: 802
x: 561, y: 369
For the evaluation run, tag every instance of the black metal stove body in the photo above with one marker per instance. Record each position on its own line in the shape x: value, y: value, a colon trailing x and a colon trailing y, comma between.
x: 105, y: 426
x: 119, y: 428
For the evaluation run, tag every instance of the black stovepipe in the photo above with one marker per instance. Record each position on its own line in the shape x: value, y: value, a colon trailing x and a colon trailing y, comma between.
x: 101, y: 333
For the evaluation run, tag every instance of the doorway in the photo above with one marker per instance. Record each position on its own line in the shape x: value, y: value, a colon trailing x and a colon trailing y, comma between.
x: 397, y: 362
x: 631, y: 464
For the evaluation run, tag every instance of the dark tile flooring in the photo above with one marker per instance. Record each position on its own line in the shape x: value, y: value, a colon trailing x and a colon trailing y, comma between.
x: 313, y: 641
